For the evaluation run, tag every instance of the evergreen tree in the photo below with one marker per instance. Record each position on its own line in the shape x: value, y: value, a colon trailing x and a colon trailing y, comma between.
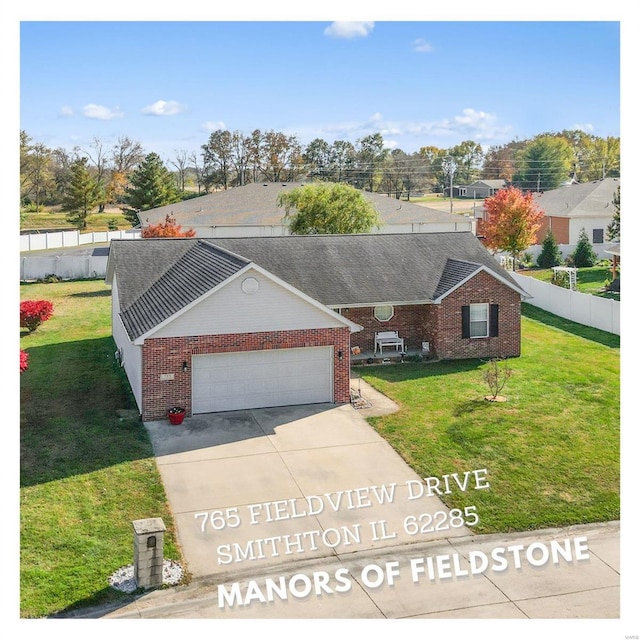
x: 583, y: 255
x: 82, y: 194
x: 151, y: 185
x: 613, y: 230
x: 550, y: 256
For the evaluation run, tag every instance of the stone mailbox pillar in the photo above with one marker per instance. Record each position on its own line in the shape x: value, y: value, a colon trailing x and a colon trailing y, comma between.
x: 148, y: 554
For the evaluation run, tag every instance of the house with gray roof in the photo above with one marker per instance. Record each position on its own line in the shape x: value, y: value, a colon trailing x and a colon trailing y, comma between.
x: 568, y: 209
x: 236, y: 323
x: 481, y: 189
x: 252, y: 210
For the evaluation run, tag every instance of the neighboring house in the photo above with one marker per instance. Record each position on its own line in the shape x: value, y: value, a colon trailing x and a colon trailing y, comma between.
x: 252, y: 211
x: 481, y: 189
x: 226, y: 324
x: 569, y: 209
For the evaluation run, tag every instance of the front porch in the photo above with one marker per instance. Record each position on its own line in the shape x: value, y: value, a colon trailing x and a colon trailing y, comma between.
x: 390, y: 356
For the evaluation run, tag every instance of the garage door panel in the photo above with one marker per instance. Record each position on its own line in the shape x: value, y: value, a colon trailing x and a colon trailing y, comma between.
x: 268, y: 378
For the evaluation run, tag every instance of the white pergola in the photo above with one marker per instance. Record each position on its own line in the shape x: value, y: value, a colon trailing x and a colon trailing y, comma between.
x: 573, y: 278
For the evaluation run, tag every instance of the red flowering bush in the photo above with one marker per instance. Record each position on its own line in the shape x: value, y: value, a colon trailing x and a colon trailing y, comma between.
x: 34, y: 312
x: 24, y: 360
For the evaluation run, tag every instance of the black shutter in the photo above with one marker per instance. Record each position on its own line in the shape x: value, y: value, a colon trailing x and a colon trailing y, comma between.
x: 493, y: 321
x: 466, y: 321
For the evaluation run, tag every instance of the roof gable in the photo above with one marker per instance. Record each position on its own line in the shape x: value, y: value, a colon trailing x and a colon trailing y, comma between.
x: 147, y: 297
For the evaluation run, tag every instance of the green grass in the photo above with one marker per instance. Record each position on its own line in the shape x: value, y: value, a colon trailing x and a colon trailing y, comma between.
x: 589, y: 280
x: 552, y: 450
x: 56, y: 220
x: 86, y: 464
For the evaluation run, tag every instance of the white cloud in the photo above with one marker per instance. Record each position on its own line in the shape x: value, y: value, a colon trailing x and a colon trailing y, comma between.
x: 421, y: 46
x: 211, y: 125
x: 66, y: 112
x: 349, y: 29
x: 163, y: 108
x: 471, y: 124
x: 587, y: 128
x: 98, y: 112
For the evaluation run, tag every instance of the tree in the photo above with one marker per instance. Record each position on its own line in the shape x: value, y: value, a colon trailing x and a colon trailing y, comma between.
x: 513, y: 219
x: 613, y: 230
x: 550, y: 256
x: 167, y: 229
x: 583, y: 255
x: 216, y: 155
x: 82, y: 195
x: 369, y: 158
x: 467, y: 157
x: 36, y: 177
x: 151, y: 185
x: 327, y: 208
x: 545, y: 163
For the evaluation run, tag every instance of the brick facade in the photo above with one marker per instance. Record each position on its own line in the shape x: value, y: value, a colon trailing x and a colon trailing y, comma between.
x: 167, y: 355
x: 441, y: 324
x: 481, y: 288
x: 412, y: 322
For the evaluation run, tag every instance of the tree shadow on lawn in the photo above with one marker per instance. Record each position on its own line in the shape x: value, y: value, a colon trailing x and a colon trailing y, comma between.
x: 77, y: 412
x: 590, y: 333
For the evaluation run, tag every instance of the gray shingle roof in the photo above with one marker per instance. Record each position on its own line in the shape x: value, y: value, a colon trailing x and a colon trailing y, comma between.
x: 255, y: 204
x: 587, y: 199
x: 161, y: 277
x: 336, y: 270
x: 346, y: 270
x: 455, y: 272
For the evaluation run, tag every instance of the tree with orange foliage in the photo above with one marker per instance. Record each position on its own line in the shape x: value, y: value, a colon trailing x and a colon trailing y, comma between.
x: 513, y: 219
x: 167, y: 229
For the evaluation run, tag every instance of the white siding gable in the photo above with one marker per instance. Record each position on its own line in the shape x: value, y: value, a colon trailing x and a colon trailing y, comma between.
x: 230, y: 310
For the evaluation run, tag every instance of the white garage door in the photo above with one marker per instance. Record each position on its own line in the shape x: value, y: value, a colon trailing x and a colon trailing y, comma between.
x: 270, y: 378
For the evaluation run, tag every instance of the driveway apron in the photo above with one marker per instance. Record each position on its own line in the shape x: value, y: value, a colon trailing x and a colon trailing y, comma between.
x: 259, y: 489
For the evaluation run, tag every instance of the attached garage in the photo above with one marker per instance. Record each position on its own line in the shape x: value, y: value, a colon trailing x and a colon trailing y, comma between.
x: 268, y: 378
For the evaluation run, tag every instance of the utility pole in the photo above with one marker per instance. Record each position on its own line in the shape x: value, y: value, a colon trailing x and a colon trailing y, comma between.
x: 451, y: 169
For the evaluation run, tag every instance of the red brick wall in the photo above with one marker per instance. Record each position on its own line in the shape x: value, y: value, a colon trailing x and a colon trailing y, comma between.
x: 412, y: 322
x: 559, y: 227
x: 166, y: 355
x: 481, y: 288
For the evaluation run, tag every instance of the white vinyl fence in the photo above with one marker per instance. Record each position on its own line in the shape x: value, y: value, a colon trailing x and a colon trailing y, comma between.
x: 592, y: 311
x: 66, y: 266
x: 62, y: 239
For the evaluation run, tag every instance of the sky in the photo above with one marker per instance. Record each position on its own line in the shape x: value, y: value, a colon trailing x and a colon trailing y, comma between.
x: 168, y: 84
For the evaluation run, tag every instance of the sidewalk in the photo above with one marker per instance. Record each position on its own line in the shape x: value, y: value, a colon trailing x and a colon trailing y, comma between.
x: 572, y: 588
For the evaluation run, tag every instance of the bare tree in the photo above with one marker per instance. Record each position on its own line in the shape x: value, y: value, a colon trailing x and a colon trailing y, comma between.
x: 181, y: 163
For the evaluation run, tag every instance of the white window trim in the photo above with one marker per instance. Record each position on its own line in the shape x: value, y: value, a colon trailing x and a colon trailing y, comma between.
x: 476, y: 322
x: 380, y: 307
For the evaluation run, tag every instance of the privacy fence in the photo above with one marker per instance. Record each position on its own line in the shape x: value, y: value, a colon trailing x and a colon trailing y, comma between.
x: 67, y: 266
x: 63, y: 239
x: 592, y: 311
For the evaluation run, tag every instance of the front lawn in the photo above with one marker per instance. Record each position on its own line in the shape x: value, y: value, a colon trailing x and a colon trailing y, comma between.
x: 86, y: 465
x: 552, y: 450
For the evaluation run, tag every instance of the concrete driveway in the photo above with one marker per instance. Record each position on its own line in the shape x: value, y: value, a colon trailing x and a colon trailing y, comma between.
x: 262, y: 488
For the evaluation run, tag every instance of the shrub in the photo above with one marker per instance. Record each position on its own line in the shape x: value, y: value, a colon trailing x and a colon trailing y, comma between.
x: 550, y: 256
x: 24, y: 360
x: 34, y: 312
x: 584, y: 255
x: 496, y: 376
